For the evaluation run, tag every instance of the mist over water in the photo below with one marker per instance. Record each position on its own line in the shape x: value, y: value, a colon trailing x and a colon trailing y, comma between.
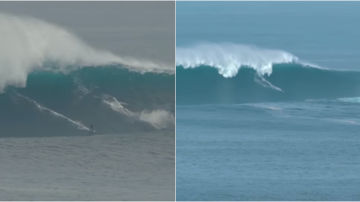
x: 81, y: 122
x: 59, y: 85
x: 324, y: 34
x: 30, y: 44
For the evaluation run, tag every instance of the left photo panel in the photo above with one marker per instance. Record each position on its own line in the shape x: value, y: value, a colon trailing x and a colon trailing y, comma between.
x: 87, y: 101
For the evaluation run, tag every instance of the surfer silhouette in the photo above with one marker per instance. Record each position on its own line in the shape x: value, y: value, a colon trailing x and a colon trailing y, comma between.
x: 92, y: 130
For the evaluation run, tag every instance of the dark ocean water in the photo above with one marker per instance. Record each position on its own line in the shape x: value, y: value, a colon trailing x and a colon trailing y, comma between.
x: 111, y: 98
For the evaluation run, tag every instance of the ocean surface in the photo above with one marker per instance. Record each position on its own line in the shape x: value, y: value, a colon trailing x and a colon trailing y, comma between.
x: 111, y: 98
x: 80, y: 123
x: 132, y: 166
x: 268, y: 101
x: 59, y: 85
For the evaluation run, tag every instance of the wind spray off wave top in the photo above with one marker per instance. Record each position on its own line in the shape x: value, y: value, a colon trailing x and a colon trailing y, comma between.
x: 53, y: 82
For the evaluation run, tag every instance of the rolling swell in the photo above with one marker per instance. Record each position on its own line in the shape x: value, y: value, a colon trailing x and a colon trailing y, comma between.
x: 56, y: 103
x: 287, y: 82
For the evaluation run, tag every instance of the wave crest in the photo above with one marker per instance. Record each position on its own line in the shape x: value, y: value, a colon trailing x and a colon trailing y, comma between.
x: 28, y: 44
x: 288, y: 82
x: 228, y: 58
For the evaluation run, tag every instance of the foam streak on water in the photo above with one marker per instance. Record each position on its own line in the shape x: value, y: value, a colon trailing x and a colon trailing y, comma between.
x: 42, y: 108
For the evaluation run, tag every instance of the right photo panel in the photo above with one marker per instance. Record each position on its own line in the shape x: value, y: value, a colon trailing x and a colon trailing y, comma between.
x: 267, y: 101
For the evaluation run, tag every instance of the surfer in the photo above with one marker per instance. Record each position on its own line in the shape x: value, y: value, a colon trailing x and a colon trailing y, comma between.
x: 92, y: 130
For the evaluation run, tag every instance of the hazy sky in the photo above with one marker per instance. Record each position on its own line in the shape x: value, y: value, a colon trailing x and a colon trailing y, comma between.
x: 324, y: 33
x: 143, y: 30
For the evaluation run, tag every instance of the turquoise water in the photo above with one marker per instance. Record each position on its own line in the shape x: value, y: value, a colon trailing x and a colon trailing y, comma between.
x: 288, y: 82
x: 268, y: 101
x: 111, y: 98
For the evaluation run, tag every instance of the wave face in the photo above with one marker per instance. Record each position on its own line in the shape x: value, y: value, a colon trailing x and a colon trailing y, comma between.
x: 52, y: 83
x: 28, y: 44
x: 111, y: 98
x: 239, y: 74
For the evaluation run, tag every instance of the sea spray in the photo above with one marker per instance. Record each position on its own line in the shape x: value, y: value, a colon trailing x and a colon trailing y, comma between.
x: 29, y: 44
x: 157, y: 118
x: 228, y: 58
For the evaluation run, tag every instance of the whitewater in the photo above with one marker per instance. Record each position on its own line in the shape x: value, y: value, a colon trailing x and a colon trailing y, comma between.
x: 81, y: 123
x: 159, y: 119
x: 228, y: 58
x: 38, y: 58
x: 267, y: 101
x: 29, y: 44
x: 249, y: 73
x: 273, y: 126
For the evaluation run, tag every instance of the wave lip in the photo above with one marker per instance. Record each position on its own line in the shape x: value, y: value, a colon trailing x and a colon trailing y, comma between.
x: 29, y: 44
x: 228, y: 58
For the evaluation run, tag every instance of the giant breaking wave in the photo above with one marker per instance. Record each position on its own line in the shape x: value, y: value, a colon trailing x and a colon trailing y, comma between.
x: 233, y: 73
x: 53, y: 83
x: 28, y: 44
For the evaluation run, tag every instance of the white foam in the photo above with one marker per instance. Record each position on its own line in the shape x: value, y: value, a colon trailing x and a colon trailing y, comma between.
x: 116, y: 105
x: 28, y: 43
x: 157, y: 118
x: 228, y: 58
